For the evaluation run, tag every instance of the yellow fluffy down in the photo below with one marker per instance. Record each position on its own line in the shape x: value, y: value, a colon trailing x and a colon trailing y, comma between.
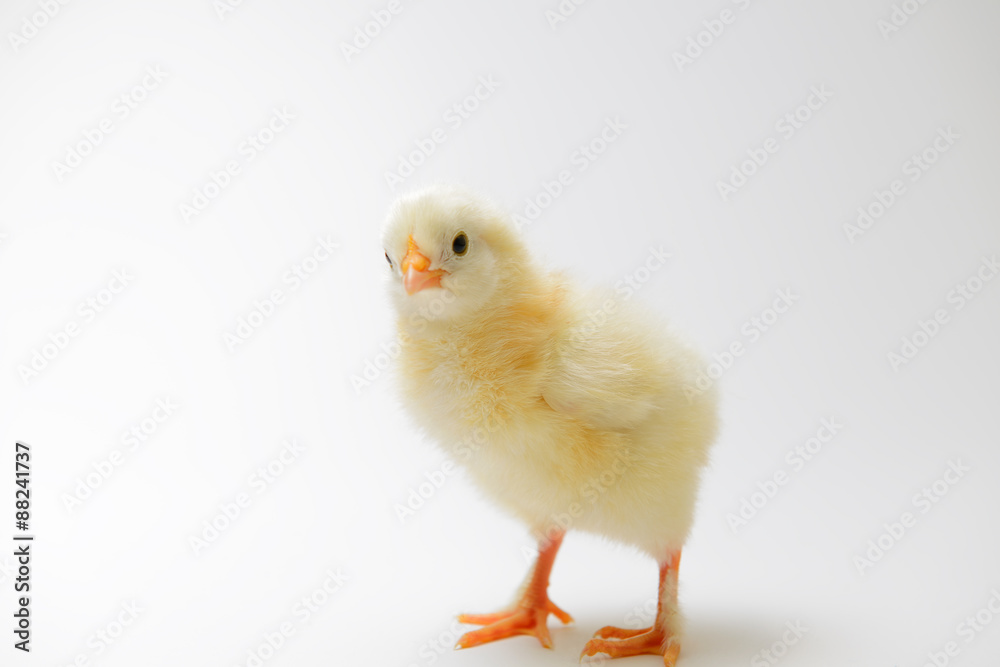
x: 567, y: 407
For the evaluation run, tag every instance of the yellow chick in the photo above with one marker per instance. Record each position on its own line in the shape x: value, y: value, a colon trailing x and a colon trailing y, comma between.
x: 568, y: 408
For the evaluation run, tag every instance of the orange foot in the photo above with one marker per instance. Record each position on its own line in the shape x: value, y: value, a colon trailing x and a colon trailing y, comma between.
x: 522, y: 620
x: 620, y: 643
x: 528, y: 616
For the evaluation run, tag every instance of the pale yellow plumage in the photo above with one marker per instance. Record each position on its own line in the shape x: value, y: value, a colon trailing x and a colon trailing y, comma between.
x: 558, y: 415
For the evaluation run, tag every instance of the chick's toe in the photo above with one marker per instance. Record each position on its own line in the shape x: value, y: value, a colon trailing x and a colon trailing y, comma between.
x: 529, y: 614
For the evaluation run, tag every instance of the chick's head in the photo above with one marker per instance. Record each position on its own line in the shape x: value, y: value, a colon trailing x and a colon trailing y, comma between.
x: 450, y: 252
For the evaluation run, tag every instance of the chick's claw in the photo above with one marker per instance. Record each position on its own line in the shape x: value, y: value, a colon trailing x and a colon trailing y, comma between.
x: 523, y: 620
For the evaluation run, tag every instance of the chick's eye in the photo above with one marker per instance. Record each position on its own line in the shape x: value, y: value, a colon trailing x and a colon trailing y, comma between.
x: 388, y: 259
x: 460, y: 244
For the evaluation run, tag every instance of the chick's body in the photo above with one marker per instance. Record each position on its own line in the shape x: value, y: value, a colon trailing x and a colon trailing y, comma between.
x: 570, y: 409
x: 556, y: 416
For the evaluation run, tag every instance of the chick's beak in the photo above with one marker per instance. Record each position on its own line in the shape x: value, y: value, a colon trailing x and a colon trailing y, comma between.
x: 416, y: 270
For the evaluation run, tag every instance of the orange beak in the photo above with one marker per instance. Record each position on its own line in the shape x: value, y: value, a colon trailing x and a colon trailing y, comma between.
x: 416, y: 270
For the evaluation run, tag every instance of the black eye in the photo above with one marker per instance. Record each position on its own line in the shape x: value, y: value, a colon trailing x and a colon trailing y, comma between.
x: 460, y: 244
x: 388, y: 259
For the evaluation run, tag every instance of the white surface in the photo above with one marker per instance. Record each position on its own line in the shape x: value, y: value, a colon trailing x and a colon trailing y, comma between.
x: 333, y: 507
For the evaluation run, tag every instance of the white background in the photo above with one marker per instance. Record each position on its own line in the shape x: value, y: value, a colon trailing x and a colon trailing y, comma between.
x: 335, y: 506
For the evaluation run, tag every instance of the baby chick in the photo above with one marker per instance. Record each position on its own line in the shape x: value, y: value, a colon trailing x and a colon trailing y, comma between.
x: 568, y: 408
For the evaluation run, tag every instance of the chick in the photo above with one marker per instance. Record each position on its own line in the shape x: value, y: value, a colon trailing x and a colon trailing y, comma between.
x: 569, y: 409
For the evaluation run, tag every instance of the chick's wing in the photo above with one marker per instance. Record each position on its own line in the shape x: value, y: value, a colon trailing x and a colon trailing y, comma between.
x: 602, y: 373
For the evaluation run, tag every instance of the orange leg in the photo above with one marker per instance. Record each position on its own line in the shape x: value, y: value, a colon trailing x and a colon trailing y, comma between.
x: 658, y: 640
x: 529, y: 614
